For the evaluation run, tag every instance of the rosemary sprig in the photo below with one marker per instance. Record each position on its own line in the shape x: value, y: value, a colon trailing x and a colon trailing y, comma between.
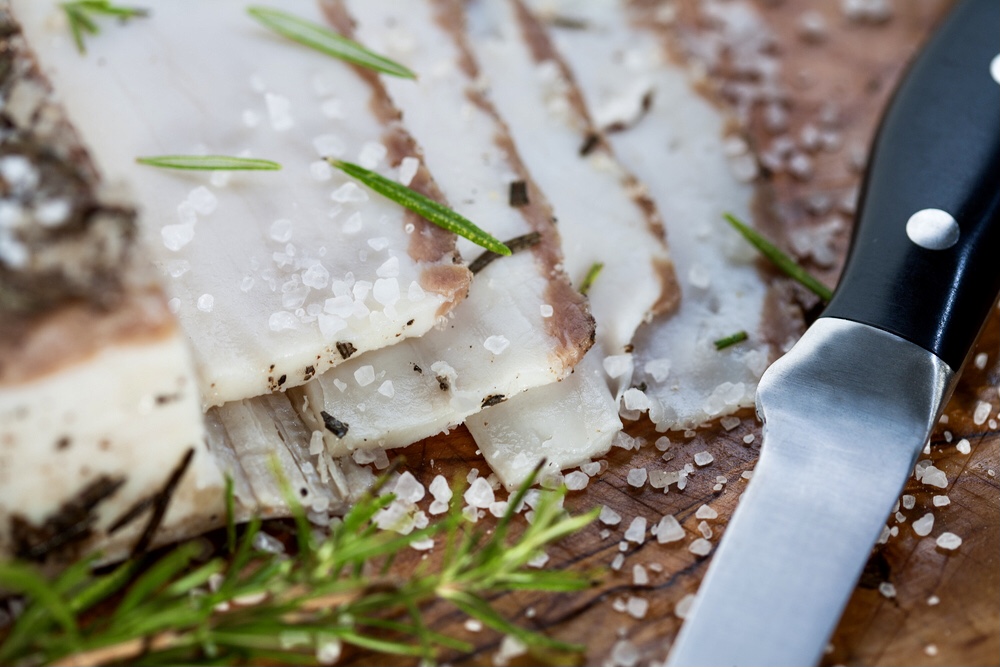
x: 188, y: 606
x: 326, y: 41
x: 592, y: 273
x: 730, y: 340
x: 209, y: 163
x: 81, y: 13
x: 442, y: 216
x: 788, y: 265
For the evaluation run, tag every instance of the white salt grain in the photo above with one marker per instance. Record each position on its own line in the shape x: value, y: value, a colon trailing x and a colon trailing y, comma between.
x: 624, y: 654
x: 408, y: 169
x: 637, y: 530
x: 706, y: 512
x: 609, y: 517
x: 176, y: 237
x: 365, y: 375
x: 349, y: 192
x: 546, y: 310
x: 479, y: 494
x: 279, y: 111
x: 949, y: 541
x: 576, y: 480
x: 729, y: 423
x: 705, y: 530
x: 982, y: 412
x: 636, y: 477
x: 981, y: 360
x: 934, y: 477
x: 637, y: 607
x: 924, y: 525
x: 539, y: 561
x: 473, y: 625
x: 940, y: 501
x: 700, y: 547
x: 202, y: 200
x: 498, y: 508
x: 496, y: 344
x: 749, y: 438
x: 617, y: 365
x: 662, y: 443
x: 933, y: 601
x: 592, y: 468
x: 658, y: 368
x: 703, y: 459
x: 887, y: 590
x: 617, y: 562
x: 909, y: 502
x: 683, y: 607
x: 281, y: 230
x: 964, y: 446
x: 371, y: 154
x: 206, y: 302
x: 639, y: 576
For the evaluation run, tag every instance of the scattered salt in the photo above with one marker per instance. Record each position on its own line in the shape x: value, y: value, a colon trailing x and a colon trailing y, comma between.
x: 202, y: 200
x: 934, y: 477
x: 546, y: 310
x: 279, y: 111
x: 479, y: 494
x: 949, y: 541
x: 576, y: 480
x: 700, y: 547
x: 617, y: 365
x: 617, y: 562
x: 982, y: 412
x: 498, y: 508
x: 281, y: 230
x: 683, y: 607
x: 887, y: 589
x: 636, y: 531
x: 659, y: 369
x: 931, y: 650
x: 592, y: 468
x: 639, y: 576
x: 662, y: 443
x: 496, y: 344
x: 408, y: 488
x: 539, y: 561
x: 637, y: 607
x: 176, y: 237
x: 981, y: 360
x: 624, y: 654
x: 510, y: 647
x: 706, y: 512
x: 933, y: 601
x: 703, y: 459
x: 909, y: 501
x: 749, y: 438
x: 408, y: 169
x: 206, y: 302
x: 940, y: 501
x: 365, y: 375
x: 705, y: 530
x: 636, y: 477
x: 267, y: 543
x: 635, y: 399
x: 609, y: 517
x: 924, y: 525
x: 371, y: 154
x: 730, y: 422
x: 349, y: 192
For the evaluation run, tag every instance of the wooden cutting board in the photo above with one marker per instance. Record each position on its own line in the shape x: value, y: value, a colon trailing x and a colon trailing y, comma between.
x: 856, y: 66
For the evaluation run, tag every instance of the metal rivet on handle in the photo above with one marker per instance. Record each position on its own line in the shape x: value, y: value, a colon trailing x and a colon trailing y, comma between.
x: 933, y: 229
x: 995, y: 68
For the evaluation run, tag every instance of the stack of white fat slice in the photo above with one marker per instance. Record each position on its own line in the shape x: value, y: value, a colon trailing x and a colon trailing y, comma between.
x: 160, y: 330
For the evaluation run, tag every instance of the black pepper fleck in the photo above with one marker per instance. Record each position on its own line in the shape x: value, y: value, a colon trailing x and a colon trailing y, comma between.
x: 334, y: 425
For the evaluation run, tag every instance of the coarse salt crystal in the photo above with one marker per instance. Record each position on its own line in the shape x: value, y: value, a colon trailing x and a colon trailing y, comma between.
x: 176, y: 237
x: 700, y: 547
x: 887, y: 590
x: 206, y: 302
x: 908, y: 501
x: 371, y: 154
x: 408, y: 488
x: 639, y: 576
x: 617, y: 365
x: 498, y: 508
x: 546, y: 310
x: 705, y: 530
x: 636, y: 477
x: 281, y: 230
x: 353, y: 224
x: 320, y: 170
x: 202, y: 200
x: 316, y: 276
x: 365, y: 375
x: 479, y: 494
x: 592, y: 468
x: 389, y: 268
x: 933, y: 601
x: 539, y: 561
x: 439, y: 488
x: 981, y: 360
x: 576, y: 480
x: 328, y: 145
x: 386, y: 291
x: 624, y: 654
x: 174, y: 305
x: 635, y: 399
x: 982, y: 413
x: 662, y: 443
x: 378, y: 243
x: 940, y: 501
x: 609, y: 517
x: 659, y: 369
x: 637, y: 607
x: 949, y: 541
x: 683, y: 608
x: 749, y: 438
x: 330, y: 325
x: 729, y: 423
x: 924, y: 525
x: 706, y: 512
x: 408, y: 169
x: 349, y: 192
x: 415, y: 292
x: 386, y: 389
x: 703, y: 459
x: 617, y: 562
x: 496, y: 344
x: 279, y: 111
x: 934, y: 477
x: 636, y: 531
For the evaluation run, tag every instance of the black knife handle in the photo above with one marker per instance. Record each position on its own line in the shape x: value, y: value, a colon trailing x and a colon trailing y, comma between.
x: 938, y: 149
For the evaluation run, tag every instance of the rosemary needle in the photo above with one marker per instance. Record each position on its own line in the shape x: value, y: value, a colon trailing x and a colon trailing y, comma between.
x: 80, y: 16
x: 780, y: 259
x: 730, y: 340
x: 326, y: 41
x: 209, y: 163
x: 592, y: 273
x: 442, y: 216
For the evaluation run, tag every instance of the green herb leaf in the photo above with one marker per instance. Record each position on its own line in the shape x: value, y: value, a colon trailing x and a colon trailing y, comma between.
x: 442, y: 216
x: 209, y: 163
x: 780, y: 259
x: 731, y: 339
x: 79, y: 16
x: 592, y: 273
x: 326, y: 41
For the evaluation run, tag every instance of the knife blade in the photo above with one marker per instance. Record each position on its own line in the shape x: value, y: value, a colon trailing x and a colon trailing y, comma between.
x: 848, y: 410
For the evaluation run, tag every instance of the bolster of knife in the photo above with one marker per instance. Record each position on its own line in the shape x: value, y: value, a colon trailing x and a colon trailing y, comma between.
x: 923, y: 260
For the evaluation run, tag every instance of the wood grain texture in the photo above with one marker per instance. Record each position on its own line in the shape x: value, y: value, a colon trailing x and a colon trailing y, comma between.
x: 856, y: 67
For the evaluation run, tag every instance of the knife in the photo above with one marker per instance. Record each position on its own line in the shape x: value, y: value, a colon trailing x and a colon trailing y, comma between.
x: 849, y: 408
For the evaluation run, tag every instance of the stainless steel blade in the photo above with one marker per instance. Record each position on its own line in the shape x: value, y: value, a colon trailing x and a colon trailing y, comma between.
x: 847, y: 411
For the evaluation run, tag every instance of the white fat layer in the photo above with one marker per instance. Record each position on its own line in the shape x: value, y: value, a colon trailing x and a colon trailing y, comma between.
x: 516, y: 435
x: 599, y: 222
x: 249, y: 437
x: 677, y: 150
x: 495, y: 343
x: 249, y: 290
x: 503, y: 299
x: 131, y: 410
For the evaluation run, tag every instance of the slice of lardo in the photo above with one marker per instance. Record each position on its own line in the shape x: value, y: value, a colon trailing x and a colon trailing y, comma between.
x: 675, y: 142
x: 99, y: 402
x: 604, y: 218
x: 522, y: 325
x: 275, y: 276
